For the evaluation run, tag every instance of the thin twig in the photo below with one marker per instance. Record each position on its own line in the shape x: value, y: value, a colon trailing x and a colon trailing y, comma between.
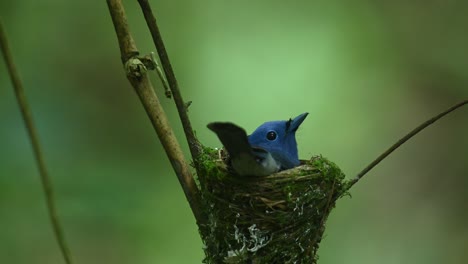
x: 167, y: 90
x: 402, y: 141
x: 193, y: 143
x: 27, y: 118
x: 136, y: 74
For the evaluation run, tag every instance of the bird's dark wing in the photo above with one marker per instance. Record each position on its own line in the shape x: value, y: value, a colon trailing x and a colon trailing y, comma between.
x: 243, y: 159
x: 233, y: 137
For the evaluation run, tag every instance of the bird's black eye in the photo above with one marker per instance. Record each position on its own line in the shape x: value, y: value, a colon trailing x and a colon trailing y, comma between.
x: 271, y: 135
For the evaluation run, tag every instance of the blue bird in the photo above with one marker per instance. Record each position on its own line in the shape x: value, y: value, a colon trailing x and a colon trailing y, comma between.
x: 270, y: 148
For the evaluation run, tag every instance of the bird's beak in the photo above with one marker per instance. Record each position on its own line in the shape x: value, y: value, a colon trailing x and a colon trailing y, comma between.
x: 296, y: 122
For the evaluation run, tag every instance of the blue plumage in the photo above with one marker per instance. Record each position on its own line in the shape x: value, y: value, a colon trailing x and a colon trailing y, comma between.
x: 270, y: 148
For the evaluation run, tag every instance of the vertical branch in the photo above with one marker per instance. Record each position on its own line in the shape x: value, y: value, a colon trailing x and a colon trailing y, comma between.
x: 28, y: 121
x: 136, y: 74
x: 193, y: 143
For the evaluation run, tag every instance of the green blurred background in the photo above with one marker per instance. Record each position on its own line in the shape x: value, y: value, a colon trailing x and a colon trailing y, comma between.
x: 366, y: 71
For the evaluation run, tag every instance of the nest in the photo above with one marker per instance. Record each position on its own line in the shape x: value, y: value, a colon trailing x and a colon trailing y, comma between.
x: 279, y: 218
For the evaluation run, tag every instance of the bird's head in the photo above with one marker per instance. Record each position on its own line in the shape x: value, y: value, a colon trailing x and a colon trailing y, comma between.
x: 278, y: 136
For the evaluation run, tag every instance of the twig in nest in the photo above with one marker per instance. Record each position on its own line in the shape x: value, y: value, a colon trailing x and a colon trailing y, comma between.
x: 402, y: 141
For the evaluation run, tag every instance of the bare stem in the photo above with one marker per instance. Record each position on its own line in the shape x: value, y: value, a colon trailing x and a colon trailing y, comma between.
x: 193, y: 143
x: 27, y: 118
x: 403, y: 140
x: 136, y: 74
x: 162, y: 77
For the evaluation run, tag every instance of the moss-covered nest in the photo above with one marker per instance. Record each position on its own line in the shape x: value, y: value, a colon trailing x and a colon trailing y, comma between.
x: 274, y: 219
